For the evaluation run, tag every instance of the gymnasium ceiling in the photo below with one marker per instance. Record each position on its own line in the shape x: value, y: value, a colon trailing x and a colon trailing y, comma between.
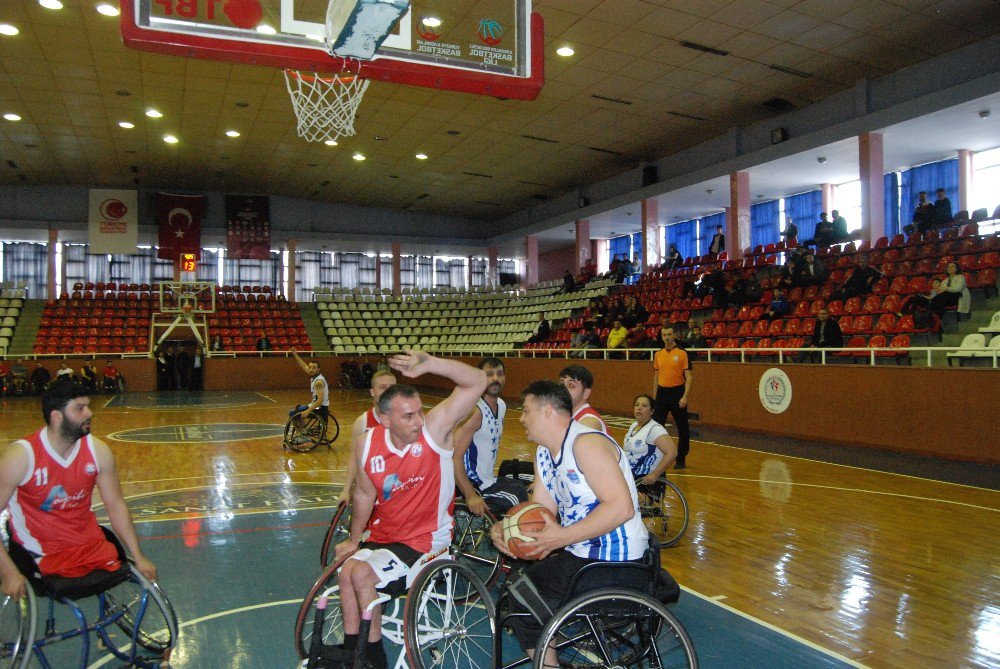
x: 630, y: 94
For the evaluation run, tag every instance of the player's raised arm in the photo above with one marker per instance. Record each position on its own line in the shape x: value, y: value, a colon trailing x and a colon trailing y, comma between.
x: 298, y: 359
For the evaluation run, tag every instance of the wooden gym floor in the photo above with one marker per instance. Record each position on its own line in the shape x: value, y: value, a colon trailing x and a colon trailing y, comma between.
x: 787, y: 562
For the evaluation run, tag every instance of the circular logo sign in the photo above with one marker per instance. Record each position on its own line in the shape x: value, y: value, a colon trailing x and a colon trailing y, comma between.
x: 490, y: 32
x: 113, y: 209
x: 775, y: 390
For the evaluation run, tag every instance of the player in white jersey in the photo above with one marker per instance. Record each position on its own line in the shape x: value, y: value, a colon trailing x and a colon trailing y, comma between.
x: 381, y: 381
x: 477, y: 442
x: 649, y: 448
x: 583, y: 477
x: 320, y: 403
x: 579, y: 381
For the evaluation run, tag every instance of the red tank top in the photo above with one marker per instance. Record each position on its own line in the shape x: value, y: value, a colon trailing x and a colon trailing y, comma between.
x: 371, y: 419
x: 50, y: 510
x: 587, y: 410
x: 415, y: 491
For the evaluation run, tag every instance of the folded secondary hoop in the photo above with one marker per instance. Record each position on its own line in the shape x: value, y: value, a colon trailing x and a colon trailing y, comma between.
x: 325, y: 107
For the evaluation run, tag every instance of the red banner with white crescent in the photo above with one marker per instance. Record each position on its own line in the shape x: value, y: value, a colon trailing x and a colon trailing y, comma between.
x: 248, y: 227
x: 179, y: 218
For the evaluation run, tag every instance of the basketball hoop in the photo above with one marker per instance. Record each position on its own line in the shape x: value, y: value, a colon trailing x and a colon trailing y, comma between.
x: 325, y: 106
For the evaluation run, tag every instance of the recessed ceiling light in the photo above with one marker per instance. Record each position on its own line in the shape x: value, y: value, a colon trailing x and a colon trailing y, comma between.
x: 232, y: 133
x: 265, y: 29
x: 51, y: 4
x: 565, y: 51
x: 126, y: 124
x: 12, y: 117
x: 421, y: 156
x: 358, y: 156
x: 331, y: 142
x: 170, y: 139
x: 153, y: 113
x: 107, y: 10
x: 821, y: 160
x: 123, y: 93
x: 8, y: 29
x: 984, y: 113
x: 242, y: 105
x: 431, y: 21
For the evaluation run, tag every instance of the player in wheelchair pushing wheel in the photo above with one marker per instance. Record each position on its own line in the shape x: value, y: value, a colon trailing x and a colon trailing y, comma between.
x: 307, y: 423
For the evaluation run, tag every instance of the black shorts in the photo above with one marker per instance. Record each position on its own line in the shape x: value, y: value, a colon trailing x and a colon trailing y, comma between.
x: 503, y: 494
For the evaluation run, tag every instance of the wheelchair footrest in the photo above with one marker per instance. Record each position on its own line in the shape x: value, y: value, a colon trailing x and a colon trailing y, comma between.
x: 329, y: 657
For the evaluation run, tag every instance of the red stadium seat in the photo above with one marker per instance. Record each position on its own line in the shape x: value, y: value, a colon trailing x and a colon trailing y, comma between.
x: 863, y: 324
x: 886, y: 324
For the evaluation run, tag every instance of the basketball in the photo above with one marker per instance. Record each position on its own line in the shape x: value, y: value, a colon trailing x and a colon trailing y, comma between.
x: 525, y: 517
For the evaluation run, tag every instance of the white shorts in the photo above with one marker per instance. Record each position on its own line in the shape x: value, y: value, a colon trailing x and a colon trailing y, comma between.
x: 393, y: 569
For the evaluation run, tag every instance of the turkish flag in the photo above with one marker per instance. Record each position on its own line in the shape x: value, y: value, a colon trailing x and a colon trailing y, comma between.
x: 179, y: 218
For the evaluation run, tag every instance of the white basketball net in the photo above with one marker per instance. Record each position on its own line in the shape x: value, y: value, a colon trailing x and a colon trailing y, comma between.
x: 325, y: 107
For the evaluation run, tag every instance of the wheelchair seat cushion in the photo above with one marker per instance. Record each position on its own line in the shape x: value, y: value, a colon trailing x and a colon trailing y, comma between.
x: 88, y: 585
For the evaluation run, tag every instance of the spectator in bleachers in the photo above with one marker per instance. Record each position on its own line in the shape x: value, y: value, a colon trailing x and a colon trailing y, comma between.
x: 826, y: 335
x: 217, y: 344
x: 569, y: 283
x: 791, y: 230
x: 263, y: 344
x: 823, y: 234
x: 923, y: 215
x: 542, y: 332
x: 617, y: 335
x: 586, y: 338
x: 635, y: 267
x: 746, y: 290
x: 636, y: 337
x: 714, y: 284
x: 683, y: 332
x: 809, y: 272
x: 587, y: 272
x: 19, y: 372
x: 786, y: 277
x: 64, y: 370
x: 953, y: 292
x: 40, y: 377
x: 919, y: 306
x: 88, y: 377
x: 839, y: 225
x: 618, y: 268
x: 718, y: 243
x: 674, y: 259
x: 694, y: 339
x: 634, y: 313
x: 942, y: 209
x: 778, y: 306
x: 862, y: 281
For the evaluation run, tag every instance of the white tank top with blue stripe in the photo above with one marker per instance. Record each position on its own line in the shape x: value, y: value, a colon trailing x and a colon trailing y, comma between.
x: 640, y: 447
x: 575, y: 499
x: 481, y: 458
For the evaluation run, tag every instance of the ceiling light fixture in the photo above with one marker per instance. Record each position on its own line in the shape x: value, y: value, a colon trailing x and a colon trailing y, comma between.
x: 984, y: 114
x: 358, y: 156
x: 12, y: 117
x: 51, y: 4
x: 265, y: 29
x: 8, y: 29
x: 153, y: 113
x: 821, y: 160
x: 421, y: 156
x: 108, y: 10
x: 565, y: 51
x: 331, y: 142
x: 126, y: 124
x: 170, y: 139
x: 232, y: 133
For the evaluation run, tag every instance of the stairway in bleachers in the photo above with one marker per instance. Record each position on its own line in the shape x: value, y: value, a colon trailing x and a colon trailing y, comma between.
x: 313, y: 326
x: 27, y: 327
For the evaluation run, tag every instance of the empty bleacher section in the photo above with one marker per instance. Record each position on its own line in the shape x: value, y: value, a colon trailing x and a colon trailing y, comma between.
x: 11, y: 305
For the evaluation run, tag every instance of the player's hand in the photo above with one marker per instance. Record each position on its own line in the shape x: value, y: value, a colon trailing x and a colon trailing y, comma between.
x: 409, y: 363
x: 14, y: 585
x: 547, y: 539
x: 496, y: 533
x: 345, y: 497
x: 682, y: 403
x: 476, y: 504
x: 648, y: 479
x: 345, y: 549
x: 145, y: 567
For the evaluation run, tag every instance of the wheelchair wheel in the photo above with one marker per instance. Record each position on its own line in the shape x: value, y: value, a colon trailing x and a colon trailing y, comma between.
x: 17, y: 630
x: 472, y: 545
x: 615, y: 628
x: 332, y: 430
x: 339, y: 530
x: 306, y: 436
x: 141, y: 602
x: 664, y: 511
x: 333, y: 624
x: 449, y: 619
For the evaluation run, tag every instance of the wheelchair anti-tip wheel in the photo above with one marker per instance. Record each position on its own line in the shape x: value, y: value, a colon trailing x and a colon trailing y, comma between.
x: 17, y: 630
x: 449, y: 619
x: 616, y: 628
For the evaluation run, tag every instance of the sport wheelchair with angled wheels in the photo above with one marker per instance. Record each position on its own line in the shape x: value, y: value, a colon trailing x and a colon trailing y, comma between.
x: 664, y: 510
x: 444, y: 619
x: 596, y: 625
x: 126, y: 600
x: 305, y: 434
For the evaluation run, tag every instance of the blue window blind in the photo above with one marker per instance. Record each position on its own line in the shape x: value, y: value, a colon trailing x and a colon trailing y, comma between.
x: 929, y: 178
x: 891, y: 186
x: 708, y: 226
x: 764, y: 223
x: 684, y: 235
x: 637, y: 247
x: 618, y: 245
x: 804, y: 210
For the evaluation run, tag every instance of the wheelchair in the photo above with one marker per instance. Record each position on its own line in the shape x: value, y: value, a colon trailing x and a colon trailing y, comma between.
x: 445, y: 619
x: 599, y: 626
x: 664, y: 510
x: 303, y: 435
x: 126, y: 600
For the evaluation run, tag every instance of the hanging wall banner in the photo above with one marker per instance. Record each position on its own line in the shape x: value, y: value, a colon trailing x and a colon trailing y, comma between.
x: 179, y: 218
x: 248, y: 227
x: 113, y: 221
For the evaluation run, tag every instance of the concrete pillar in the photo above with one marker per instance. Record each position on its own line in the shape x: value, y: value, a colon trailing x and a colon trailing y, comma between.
x: 870, y: 170
x: 599, y: 249
x: 737, y: 215
x: 584, y: 251
x: 51, y: 269
x: 378, y: 272
x: 493, y: 266
x: 397, y: 270
x: 826, y: 190
x: 530, y: 277
x: 177, y: 269
x: 468, y: 272
x: 291, y: 246
x: 964, y: 180
x: 651, y: 252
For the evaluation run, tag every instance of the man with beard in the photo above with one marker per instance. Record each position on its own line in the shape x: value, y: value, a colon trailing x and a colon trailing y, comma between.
x: 477, y: 442
x: 320, y: 403
x: 46, y: 482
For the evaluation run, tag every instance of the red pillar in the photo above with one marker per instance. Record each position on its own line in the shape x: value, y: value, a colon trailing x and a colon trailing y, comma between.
x: 397, y: 271
x: 290, y: 286
x: 50, y: 272
x: 493, y: 267
x: 870, y: 170
x: 651, y: 252
x: 583, y: 246
x: 964, y: 180
x: 738, y: 215
x: 530, y: 276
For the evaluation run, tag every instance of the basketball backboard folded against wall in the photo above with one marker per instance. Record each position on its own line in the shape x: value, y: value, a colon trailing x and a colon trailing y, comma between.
x: 485, y: 47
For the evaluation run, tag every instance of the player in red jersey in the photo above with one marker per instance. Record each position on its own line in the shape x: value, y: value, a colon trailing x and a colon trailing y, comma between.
x: 579, y: 381
x: 403, y: 492
x: 46, y: 482
x: 381, y: 382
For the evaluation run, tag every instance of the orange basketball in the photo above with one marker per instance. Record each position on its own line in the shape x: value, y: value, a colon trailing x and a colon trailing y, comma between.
x: 525, y: 517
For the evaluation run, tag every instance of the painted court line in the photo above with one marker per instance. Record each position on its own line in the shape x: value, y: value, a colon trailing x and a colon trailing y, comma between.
x: 228, y: 476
